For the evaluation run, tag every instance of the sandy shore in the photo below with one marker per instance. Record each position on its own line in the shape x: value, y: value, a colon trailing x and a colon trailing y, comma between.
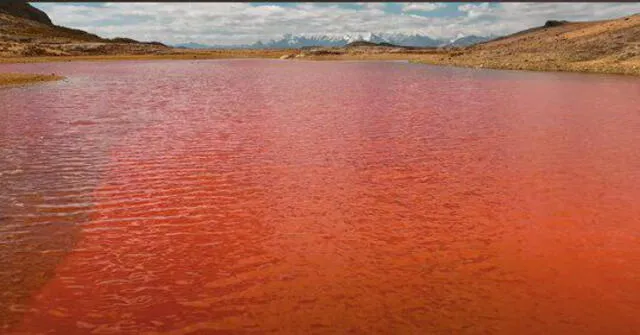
x: 177, y: 54
x: 521, y: 63
x: 7, y: 79
x: 631, y: 67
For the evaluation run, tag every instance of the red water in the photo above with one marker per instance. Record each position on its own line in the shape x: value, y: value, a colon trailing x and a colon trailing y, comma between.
x: 320, y: 197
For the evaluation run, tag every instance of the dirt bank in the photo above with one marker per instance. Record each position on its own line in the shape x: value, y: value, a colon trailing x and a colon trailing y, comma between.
x: 22, y: 78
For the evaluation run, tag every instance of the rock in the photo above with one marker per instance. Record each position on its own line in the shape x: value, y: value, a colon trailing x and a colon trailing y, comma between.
x: 554, y: 23
x: 289, y: 56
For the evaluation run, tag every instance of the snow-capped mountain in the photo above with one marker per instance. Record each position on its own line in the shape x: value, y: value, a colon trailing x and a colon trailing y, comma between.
x: 463, y: 41
x: 335, y: 40
x: 412, y: 40
x: 338, y: 40
x: 403, y: 39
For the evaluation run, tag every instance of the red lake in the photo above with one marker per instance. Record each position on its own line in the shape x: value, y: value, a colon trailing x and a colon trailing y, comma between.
x: 298, y: 197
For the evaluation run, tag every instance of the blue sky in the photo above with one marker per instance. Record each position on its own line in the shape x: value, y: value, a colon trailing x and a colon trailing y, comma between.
x: 238, y: 23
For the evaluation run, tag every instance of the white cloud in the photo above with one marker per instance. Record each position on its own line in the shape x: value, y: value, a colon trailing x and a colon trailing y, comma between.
x: 505, y: 18
x: 372, y: 5
x: 422, y: 6
x: 475, y: 11
x: 234, y: 23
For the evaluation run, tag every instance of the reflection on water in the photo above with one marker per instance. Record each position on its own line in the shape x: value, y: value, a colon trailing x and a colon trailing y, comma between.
x: 301, y: 197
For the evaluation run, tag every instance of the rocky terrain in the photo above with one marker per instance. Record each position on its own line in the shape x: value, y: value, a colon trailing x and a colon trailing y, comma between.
x: 26, y: 31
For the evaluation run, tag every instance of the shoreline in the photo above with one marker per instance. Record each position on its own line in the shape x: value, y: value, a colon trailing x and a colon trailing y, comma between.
x: 15, y: 79
x: 189, y: 55
x: 561, y: 67
x: 442, y: 59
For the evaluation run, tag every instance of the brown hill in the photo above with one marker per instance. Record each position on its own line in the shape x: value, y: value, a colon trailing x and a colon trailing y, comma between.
x: 27, y: 31
x: 595, y: 46
x: 23, y: 10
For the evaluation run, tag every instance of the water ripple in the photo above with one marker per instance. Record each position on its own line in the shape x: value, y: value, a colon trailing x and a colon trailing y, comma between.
x: 306, y: 197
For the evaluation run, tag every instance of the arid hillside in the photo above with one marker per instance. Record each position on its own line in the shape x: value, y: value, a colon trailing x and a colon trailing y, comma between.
x: 27, y: 31
x: 23, y: 10
x: 611, y: 46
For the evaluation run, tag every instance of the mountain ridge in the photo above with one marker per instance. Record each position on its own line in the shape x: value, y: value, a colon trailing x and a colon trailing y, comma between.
x: 288, y: 41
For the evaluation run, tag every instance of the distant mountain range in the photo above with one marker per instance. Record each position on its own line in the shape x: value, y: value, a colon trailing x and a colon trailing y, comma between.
x: 335, y: 40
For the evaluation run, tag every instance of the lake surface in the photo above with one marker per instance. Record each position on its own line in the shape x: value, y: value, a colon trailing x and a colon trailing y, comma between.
x: 261, y: 196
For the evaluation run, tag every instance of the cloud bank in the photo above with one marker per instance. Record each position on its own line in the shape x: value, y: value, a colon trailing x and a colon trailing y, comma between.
x: 240, y: 23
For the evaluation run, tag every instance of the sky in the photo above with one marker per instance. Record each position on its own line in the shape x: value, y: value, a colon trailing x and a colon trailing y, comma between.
x: 243, y: 23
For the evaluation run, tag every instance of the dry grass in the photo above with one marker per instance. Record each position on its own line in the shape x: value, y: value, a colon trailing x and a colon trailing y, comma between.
x: 12, y: 27
x: 611, y: 46
x: 23, y: 78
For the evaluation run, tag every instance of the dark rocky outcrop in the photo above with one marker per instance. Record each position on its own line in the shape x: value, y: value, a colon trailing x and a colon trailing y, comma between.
x: 21, y: 8
x: 371, y: 44
x: 554, y: 23
x: 361, y: 44
x: 156, y: 43
x: 123, y: 40
x: 325, y: 52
